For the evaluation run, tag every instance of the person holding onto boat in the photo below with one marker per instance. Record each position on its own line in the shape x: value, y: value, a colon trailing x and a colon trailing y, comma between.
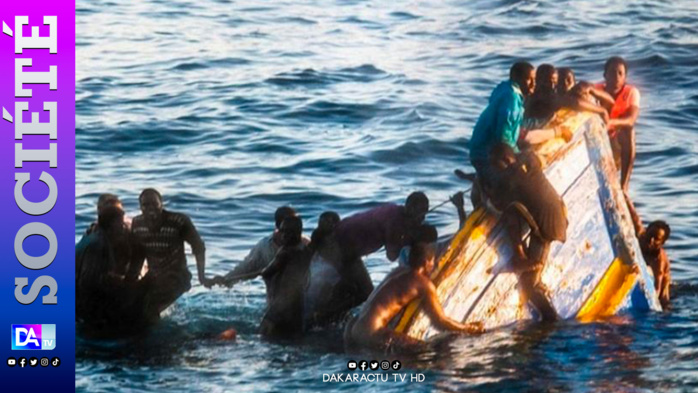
x: 286, y: 278
x: 526, y: 196
x: 370, y: 329
x: 544, y: 101
x: 388, y: 225
x: 261, y: 254
x: 158, y: 236
x: 502, y: 121
x: 427, y: 233
x: 623, y: 105
x: 548, y: 98
x: 565, y: 80
x: 652, y: 240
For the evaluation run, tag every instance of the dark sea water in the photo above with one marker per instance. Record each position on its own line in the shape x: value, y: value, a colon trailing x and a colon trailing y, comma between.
x: 233, y: 108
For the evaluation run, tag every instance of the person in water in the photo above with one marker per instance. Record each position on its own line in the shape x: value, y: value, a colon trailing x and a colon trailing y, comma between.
x: 388, y: 225
x: 286, y: 279
x: 261, y: 254
x: 524, y: 193
x: 427, y: 233
x: 105, y: 201
x: 328, y: 298
x: 501, y: 122
x: 548, y: 98
x: 370, y: 329
x: 652, y: 240
x: 565, y: 80
x: 159, y: 236
x: 103, y: 299
x: 623, y: 105
x: 544, y: 101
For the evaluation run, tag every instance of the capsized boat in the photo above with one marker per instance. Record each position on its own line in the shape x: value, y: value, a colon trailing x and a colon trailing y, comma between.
x: 598, y: 272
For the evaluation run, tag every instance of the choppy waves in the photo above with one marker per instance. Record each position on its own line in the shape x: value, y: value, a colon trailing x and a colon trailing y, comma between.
x: 232, y: 109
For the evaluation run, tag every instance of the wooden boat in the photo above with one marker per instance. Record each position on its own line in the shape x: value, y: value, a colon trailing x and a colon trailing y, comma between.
x: 598, y: 272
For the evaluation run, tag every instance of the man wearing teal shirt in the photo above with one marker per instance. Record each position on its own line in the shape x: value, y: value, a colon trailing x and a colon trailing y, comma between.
x: 501, y: 120
x: 493, y: 153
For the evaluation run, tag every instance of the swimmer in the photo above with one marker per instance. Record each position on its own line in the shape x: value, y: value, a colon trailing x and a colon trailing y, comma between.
x: 387, y: 225
x: 427, y: 233
x: 652, y: 240
x: 104, y: 302
x: 323, y: 239
x: 105, y: 201
x: 404, y: 284
x: 328, y: 298
x: 286, y: 279
x: 384, y: 226
x: 159, y: 235
x: 261, y: 254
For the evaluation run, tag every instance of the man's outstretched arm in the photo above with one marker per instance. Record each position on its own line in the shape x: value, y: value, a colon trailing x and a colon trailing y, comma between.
x: 198, y: 248
x: 437, y: 315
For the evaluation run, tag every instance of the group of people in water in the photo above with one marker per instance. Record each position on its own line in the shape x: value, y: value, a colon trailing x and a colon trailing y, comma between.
x: 317, y: 281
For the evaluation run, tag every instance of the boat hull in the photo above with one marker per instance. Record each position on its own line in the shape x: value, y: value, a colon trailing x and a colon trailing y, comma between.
x: 596, y: 273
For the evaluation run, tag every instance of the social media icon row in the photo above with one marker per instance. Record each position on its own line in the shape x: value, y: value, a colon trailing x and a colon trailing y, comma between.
x: 33, y: 362
x: 373, y: 365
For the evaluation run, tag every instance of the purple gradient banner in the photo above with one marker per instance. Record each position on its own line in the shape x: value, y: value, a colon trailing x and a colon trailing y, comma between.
x: 45, y: 206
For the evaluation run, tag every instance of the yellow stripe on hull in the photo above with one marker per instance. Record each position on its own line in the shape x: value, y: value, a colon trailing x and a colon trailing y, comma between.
x: 610, y: 293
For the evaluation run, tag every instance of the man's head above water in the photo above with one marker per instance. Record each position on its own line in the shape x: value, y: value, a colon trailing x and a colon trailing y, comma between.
x: 657, y: 234
x: 151, y: 205
x: 524, y: 75
x: 291, y: 230
x: 417, y: 206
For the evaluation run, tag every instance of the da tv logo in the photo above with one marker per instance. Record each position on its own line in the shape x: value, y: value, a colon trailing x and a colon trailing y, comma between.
x: 33, y: 337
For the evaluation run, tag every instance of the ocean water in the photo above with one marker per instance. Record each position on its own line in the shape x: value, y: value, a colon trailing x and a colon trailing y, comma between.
x: 233, y: 108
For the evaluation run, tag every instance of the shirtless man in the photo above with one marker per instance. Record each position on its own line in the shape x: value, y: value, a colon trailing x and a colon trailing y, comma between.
x: 403, y: 285
x: 652, y: 240
x: 286, y: 278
